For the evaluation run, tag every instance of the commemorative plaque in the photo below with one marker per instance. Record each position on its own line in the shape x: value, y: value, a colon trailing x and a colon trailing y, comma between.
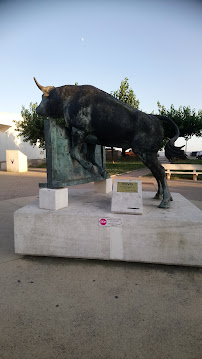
x: 127, y: 197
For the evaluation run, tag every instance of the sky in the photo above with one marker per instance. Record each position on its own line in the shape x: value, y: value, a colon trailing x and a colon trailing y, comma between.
x: 156, y: 44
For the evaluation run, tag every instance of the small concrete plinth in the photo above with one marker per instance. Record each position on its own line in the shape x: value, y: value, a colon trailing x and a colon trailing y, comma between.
x: 104, y: 186
x: 88, y: 229
x: 53, y: 199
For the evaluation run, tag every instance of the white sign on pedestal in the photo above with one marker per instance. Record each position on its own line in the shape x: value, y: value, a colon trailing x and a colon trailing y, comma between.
x: 127, y: 197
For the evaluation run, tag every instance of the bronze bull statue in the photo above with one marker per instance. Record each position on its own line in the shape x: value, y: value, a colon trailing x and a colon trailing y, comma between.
x: 95, y: 117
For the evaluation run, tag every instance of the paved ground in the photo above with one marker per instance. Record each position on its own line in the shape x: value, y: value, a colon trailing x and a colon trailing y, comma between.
x: 16, y: 185
x: 62, y: 308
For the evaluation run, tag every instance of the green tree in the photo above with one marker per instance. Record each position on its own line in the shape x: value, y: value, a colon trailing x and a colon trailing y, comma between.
x: 188, y: 121
x: 31, y: 127
x: 126, y: 94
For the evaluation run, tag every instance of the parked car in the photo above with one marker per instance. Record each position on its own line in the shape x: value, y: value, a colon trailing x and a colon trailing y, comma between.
x: 129, y: 153
x: 199, y: 155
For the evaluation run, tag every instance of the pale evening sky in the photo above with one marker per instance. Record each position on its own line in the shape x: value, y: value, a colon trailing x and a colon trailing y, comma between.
x: 156, y: 44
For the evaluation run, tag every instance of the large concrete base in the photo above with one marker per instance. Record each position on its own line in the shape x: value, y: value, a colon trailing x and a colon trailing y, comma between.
x: 88, y: 229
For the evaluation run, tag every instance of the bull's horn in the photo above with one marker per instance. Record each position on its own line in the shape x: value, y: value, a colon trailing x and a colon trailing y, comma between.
x: 39, y: 86
x: 46, y: 89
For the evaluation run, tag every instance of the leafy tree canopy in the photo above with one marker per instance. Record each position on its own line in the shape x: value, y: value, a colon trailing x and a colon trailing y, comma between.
x: 31, y: 127
x: 188, y: 121
x: 126, y: 94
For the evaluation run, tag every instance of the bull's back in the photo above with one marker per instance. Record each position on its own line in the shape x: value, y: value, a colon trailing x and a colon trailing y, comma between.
x: 111, y: 121
x: 120, y: 126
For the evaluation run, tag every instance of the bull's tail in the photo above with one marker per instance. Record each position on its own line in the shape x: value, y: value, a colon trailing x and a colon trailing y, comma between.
x: 171, y: 151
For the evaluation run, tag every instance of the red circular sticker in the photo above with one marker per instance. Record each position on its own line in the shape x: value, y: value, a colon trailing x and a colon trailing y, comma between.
x: 103, y: 221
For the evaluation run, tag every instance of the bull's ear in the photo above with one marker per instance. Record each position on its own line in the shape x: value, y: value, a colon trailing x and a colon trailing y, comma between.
x: 44, y: 89
x: 48, y: 90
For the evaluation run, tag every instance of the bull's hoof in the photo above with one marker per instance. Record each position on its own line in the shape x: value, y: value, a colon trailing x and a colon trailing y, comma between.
x: 164, y: 204
x: 94, y: 170
x: 158, y: 196
x: 104, y: 175
x: 171, y: 198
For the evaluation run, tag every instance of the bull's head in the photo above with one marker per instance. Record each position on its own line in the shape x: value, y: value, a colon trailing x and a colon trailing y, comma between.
x: 44, y: 109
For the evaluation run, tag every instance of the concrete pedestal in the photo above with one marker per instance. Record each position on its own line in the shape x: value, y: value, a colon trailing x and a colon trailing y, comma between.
x: 104, y: 186
x: 53, y: 199
x: 88, y: 229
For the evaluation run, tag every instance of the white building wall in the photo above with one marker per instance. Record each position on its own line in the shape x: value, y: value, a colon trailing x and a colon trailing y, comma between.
x: 9, y: 140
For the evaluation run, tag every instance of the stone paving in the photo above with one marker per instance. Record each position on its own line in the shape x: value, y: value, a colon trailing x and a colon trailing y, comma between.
x: 70, y: 309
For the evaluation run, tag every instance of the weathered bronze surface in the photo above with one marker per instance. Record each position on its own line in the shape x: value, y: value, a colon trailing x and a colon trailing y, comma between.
x: 94, y: 117
x: 62, y: 169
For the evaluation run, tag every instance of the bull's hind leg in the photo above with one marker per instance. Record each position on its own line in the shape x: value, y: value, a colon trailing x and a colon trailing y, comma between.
x: 159, y: 193
x: 151, y: 161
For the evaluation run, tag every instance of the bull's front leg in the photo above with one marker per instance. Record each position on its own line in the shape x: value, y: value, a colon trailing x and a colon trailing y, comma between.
x: 78, y: 139
x: 91, y: 158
